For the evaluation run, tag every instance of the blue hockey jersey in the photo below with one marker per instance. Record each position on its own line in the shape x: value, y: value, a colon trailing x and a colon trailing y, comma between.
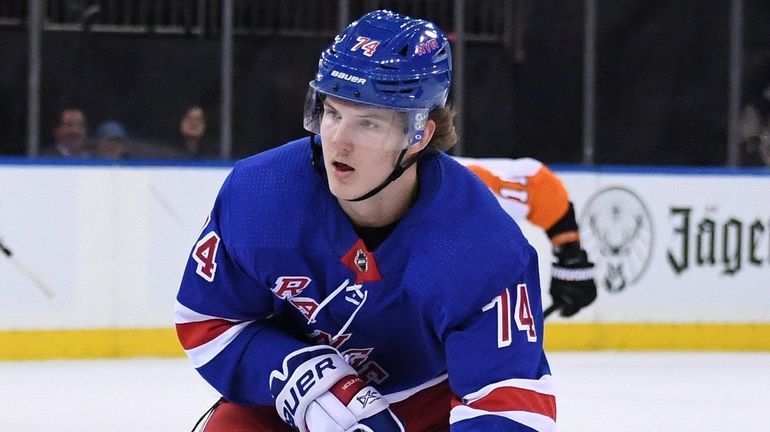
x: 444, y: 315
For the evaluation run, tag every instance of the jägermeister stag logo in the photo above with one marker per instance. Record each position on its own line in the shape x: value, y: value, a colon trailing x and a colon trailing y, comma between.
x: 616, y: 230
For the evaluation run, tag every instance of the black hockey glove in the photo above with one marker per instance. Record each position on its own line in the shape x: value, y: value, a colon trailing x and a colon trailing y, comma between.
x: 572, y: 279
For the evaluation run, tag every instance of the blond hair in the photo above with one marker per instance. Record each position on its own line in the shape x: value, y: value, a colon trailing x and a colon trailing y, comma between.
x: 445, y: 136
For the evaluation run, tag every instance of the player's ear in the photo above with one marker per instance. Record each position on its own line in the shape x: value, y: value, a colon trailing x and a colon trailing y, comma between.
x: 430, y: 128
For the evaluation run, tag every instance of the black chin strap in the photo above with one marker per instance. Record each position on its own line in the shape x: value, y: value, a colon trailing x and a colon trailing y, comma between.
x: 396, y: 173
x: 398, y: 170
x: 317, y: 156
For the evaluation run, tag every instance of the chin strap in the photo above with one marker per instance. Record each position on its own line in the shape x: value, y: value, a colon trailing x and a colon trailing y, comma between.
x: 396, y: 173
x: 398, y: 170
x: 317, y: 155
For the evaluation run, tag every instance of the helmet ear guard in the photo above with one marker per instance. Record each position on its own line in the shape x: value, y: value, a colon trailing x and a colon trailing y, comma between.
x: 387, y: 61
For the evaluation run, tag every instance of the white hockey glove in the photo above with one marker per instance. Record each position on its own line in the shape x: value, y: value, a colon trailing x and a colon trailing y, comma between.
x: 317, y: 391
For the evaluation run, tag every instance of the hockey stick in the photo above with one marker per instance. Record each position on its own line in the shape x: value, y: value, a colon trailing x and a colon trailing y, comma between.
x: 551, y: 309
x: 166, y: 205
x: 26, y: 271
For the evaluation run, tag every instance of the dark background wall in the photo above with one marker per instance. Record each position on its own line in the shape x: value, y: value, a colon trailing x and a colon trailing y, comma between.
x: 661, y: 83
x: 13, y: 86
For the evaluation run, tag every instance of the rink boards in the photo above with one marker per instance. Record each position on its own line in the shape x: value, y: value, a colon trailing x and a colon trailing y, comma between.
x: 683, y: 257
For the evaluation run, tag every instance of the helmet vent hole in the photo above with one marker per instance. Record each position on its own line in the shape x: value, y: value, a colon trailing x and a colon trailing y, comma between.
x: 404, y: 51
x: 440, y: 56
x: 405, y: 87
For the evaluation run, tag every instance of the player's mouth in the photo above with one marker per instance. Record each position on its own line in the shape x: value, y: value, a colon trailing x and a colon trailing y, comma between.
x: 342, y: 167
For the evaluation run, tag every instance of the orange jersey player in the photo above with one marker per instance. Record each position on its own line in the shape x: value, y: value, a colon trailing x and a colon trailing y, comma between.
x: 526, y: 188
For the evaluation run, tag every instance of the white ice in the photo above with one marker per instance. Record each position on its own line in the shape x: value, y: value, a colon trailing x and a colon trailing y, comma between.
x: 603, y: 391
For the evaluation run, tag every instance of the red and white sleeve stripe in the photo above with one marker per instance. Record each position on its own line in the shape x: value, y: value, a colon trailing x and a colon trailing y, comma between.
x: 204, y: 336
x: 528, y: 402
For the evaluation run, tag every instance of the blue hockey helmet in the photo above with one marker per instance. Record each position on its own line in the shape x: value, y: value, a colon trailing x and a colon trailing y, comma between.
x: 385, y: 60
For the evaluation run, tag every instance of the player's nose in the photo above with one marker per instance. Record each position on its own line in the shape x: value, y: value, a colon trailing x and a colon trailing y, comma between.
x: 342, y: 137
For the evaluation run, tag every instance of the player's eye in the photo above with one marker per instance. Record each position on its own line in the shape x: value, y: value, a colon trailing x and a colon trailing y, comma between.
x: 368, y: 124
x: 331, y: 113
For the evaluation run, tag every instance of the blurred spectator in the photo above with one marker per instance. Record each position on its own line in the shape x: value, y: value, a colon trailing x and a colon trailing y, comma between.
x: 190, y: 143
x: 111, y: 141
x: 755, y: 115
x: 192, y: 128
x: 70, y: 135
x: 755, y: 132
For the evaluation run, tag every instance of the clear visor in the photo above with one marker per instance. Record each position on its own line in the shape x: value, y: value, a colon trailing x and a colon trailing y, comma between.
x: 367, y: 125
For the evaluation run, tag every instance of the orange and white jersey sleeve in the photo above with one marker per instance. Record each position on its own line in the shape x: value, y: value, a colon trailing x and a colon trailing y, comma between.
x: 525, y: 188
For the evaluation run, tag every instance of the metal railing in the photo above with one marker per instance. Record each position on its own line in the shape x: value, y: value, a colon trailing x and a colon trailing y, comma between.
x: 221, y: 19
x: 483, y: 22
x: 491, y: 21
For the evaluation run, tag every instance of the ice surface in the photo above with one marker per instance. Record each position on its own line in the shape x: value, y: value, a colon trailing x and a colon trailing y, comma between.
x: 604, y: 391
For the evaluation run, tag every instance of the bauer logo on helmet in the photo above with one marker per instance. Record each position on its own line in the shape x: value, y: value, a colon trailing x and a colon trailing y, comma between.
x: 347, y: 77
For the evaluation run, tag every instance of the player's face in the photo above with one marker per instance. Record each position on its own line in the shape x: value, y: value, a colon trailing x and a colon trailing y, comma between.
x: 361, y: 145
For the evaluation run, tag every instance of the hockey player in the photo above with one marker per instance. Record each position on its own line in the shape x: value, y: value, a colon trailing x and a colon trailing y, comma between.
x: 527, y: 189
x: 366, y: 291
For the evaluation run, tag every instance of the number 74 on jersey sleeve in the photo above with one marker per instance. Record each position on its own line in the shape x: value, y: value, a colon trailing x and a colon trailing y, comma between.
x: 522, y: 315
